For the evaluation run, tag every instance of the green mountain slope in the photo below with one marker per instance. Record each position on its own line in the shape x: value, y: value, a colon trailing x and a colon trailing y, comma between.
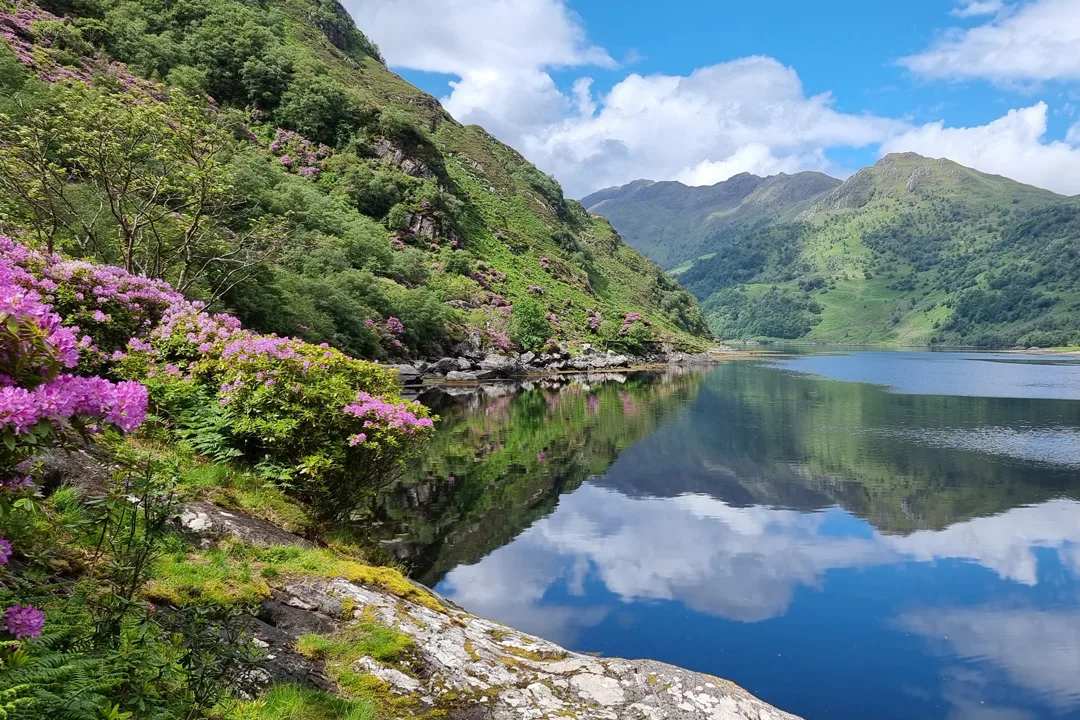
x: 344, y: 200
x: 673, y: 223
x: 911, y: 250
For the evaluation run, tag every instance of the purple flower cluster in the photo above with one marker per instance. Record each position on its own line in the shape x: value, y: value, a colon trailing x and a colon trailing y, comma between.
x: 35, y: 347
x: 53, y: 64
x: 377, y: 413
x: 394, y: 325
x: 544, y: 263
x: 24, y: 621
x: 5, y: 551
x: 595, y: 318
x: 487, y: 276
x: 299, y: 154
x: 629, y: 320
x: 535, y: 290
x: 120, y: 404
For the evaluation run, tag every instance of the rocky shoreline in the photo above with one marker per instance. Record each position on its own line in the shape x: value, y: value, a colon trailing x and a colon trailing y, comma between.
x: 473, y: 365
x: 466, y: 667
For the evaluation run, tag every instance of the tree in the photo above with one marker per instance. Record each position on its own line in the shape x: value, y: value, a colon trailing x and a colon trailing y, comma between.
x: 529, y: 328
x: 134, y: 180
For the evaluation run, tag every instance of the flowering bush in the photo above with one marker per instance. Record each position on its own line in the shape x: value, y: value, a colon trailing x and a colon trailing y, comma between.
x: 281, y: 398
x: 39, y: 402
x: 298, y: 154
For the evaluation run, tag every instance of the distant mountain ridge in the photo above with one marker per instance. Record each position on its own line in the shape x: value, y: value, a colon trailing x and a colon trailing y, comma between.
x: 671, y: 222
x: 910, y: 250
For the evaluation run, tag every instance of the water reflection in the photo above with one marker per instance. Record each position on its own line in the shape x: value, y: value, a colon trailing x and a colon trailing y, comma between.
x: 839, y: 548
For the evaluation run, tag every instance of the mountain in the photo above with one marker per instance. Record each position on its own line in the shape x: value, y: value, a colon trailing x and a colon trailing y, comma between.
x: 672, y: 223
x: 302, y: 184
x: 911, y: 250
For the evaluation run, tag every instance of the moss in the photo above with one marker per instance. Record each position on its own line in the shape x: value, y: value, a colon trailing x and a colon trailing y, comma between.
x: 536, y: 655
x: 498, y: 634
x: 471, y: 650
x: 236, y: 573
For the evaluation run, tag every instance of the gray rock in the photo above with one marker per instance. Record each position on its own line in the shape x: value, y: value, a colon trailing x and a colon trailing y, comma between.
x: 500, y: 365
x: 205, y: 518
x: 443, y: 366
x: 461, y: 376
x: 408, y: 374
x: 527, y: 358
x: 513, y: 675
x: 465, y: 364
x: 472, y: 347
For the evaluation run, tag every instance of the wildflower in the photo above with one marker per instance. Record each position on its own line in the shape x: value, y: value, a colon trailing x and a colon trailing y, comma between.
x: 5, y: 551
x: 24, y: 621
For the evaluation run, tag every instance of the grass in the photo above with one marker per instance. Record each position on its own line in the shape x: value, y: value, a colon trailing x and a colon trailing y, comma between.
x: 293, y: 702
x: 366, y: 639
x: 237, y: 574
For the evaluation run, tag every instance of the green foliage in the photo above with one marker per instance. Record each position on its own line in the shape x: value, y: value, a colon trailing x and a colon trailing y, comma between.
x: 278, y: 248
x: 774, y: 313
x: 294, y: 702
x: 529, y: 328
x: 948, y: 256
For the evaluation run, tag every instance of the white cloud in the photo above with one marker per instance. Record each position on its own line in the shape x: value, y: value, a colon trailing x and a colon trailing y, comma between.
x: 466, y: 36
x: 1073, y: 135
x: 1037, y: 649
x: 1013, y: 146
x: 746, y: 115
x: 975, y: 8
x: 750, y: 114
x: 1038, y: 42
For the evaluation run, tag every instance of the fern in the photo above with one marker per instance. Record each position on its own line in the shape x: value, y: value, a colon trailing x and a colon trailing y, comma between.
x: 205, y: 428
x: 38, y: 681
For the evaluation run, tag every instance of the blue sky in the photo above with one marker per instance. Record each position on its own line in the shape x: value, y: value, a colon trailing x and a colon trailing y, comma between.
x: 600, y: 92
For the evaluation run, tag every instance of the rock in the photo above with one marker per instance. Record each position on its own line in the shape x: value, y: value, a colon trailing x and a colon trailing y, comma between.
x: 408, y: 374
x: 206, y: 518
x: 465, y: 364
x: 461, y: 376
x: 443, y: 366
x: 510, y: 674
x: 527, y: 358
x: 500, y: 365
x: 472, y: 347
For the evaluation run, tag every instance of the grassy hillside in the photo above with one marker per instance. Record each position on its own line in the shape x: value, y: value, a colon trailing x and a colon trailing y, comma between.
x: 911, y: 250
x: 309, y: 189
x: 673, y: 223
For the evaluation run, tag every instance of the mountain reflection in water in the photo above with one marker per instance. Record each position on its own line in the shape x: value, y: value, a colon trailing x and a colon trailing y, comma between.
x: 842, y: 548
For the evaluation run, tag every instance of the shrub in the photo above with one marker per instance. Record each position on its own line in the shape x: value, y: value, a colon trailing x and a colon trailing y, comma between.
x: 529, y: 327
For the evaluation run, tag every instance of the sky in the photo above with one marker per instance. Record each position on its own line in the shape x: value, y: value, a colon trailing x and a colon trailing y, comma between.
x: 604, y: 92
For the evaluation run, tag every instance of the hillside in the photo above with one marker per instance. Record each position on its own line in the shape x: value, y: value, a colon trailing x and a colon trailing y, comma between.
x: 309, y: 189
x: 673, y: 223
x: 911, y: 250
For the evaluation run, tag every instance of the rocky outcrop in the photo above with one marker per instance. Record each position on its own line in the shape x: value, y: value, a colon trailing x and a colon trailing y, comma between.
x: 479, y: 669
x: 466, y: 667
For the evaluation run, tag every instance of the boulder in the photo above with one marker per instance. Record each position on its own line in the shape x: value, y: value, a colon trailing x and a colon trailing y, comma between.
x: 461, y: 376
x: 527, y: 358
x: 408, y: 374
x: 443, y: 366
x: 465, y: 364
x: 500, y: 365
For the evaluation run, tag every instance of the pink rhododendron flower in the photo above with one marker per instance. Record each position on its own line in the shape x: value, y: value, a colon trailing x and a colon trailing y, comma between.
x: 24, y: 621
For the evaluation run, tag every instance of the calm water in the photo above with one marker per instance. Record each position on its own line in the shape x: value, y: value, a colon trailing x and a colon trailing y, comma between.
x: 845, y: 534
